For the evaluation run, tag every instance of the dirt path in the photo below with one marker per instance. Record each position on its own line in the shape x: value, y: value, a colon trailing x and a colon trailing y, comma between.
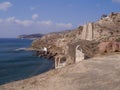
x: 99, y: 73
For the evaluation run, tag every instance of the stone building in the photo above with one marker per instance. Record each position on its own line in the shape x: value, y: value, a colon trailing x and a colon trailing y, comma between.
x: 87, y: 33
x: 63, y: 60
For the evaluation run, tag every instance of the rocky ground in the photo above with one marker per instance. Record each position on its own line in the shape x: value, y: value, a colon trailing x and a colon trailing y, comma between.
x: 98, y: 73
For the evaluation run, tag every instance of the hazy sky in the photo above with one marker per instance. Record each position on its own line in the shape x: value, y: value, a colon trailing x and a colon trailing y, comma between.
x: 44, y: 16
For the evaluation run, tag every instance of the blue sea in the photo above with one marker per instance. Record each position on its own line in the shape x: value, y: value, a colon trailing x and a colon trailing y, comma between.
x: 17, y: 65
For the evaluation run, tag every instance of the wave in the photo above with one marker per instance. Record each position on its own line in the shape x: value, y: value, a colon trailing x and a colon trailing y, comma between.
x: 24, y: 49
x: 21, y: 49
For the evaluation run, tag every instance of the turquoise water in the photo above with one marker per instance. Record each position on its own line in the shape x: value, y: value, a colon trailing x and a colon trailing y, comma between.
x: 17, y: 65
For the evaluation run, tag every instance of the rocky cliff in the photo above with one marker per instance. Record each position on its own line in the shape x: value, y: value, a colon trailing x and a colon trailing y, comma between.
x: 88, y: 37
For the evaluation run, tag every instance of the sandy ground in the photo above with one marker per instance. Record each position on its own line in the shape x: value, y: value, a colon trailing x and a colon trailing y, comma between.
x: 99, y: 73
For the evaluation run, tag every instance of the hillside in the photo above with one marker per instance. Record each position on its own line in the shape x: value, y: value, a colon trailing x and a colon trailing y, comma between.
x: 31, y: 36
x: 88, y: 37
x: 108, y: 27
x: 103, y: 29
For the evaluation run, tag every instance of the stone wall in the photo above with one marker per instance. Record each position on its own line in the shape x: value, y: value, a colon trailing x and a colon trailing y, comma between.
x: 89, y: 49
x: 60, y: 61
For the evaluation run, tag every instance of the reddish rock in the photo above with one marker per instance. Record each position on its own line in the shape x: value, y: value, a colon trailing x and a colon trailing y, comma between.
x: 109, y: 47
x: 106, y: 47
x: 103, y: 47
x: 119, y: 46
x: 115, y: 46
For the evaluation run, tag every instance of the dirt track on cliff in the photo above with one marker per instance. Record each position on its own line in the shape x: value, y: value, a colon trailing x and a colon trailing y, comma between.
x: 99, y: 73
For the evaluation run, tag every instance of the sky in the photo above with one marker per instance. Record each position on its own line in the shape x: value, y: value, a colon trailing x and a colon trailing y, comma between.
x: 19, y: 17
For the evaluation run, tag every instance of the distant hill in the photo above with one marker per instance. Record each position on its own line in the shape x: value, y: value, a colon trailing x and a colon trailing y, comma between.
x: 31, y: 36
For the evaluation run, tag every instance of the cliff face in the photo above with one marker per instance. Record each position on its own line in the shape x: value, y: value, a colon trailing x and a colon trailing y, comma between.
x: 87, y: 37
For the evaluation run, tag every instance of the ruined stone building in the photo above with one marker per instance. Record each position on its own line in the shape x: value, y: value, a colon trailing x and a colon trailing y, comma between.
x: 79, y: 55
x: 87, y: 33
x: 60, y: 61
x: 63, y: 60
x: 75, y: 53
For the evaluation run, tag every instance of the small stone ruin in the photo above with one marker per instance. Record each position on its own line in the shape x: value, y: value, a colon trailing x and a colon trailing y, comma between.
x: 79, y: 55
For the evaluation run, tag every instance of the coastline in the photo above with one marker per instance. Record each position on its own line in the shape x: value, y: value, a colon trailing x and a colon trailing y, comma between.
x: 20, y: 64
x: 104, y: 71
x: 77, y: 63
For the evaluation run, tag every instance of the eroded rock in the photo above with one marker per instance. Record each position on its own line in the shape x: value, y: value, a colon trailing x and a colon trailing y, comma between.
x: 107, y: 47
